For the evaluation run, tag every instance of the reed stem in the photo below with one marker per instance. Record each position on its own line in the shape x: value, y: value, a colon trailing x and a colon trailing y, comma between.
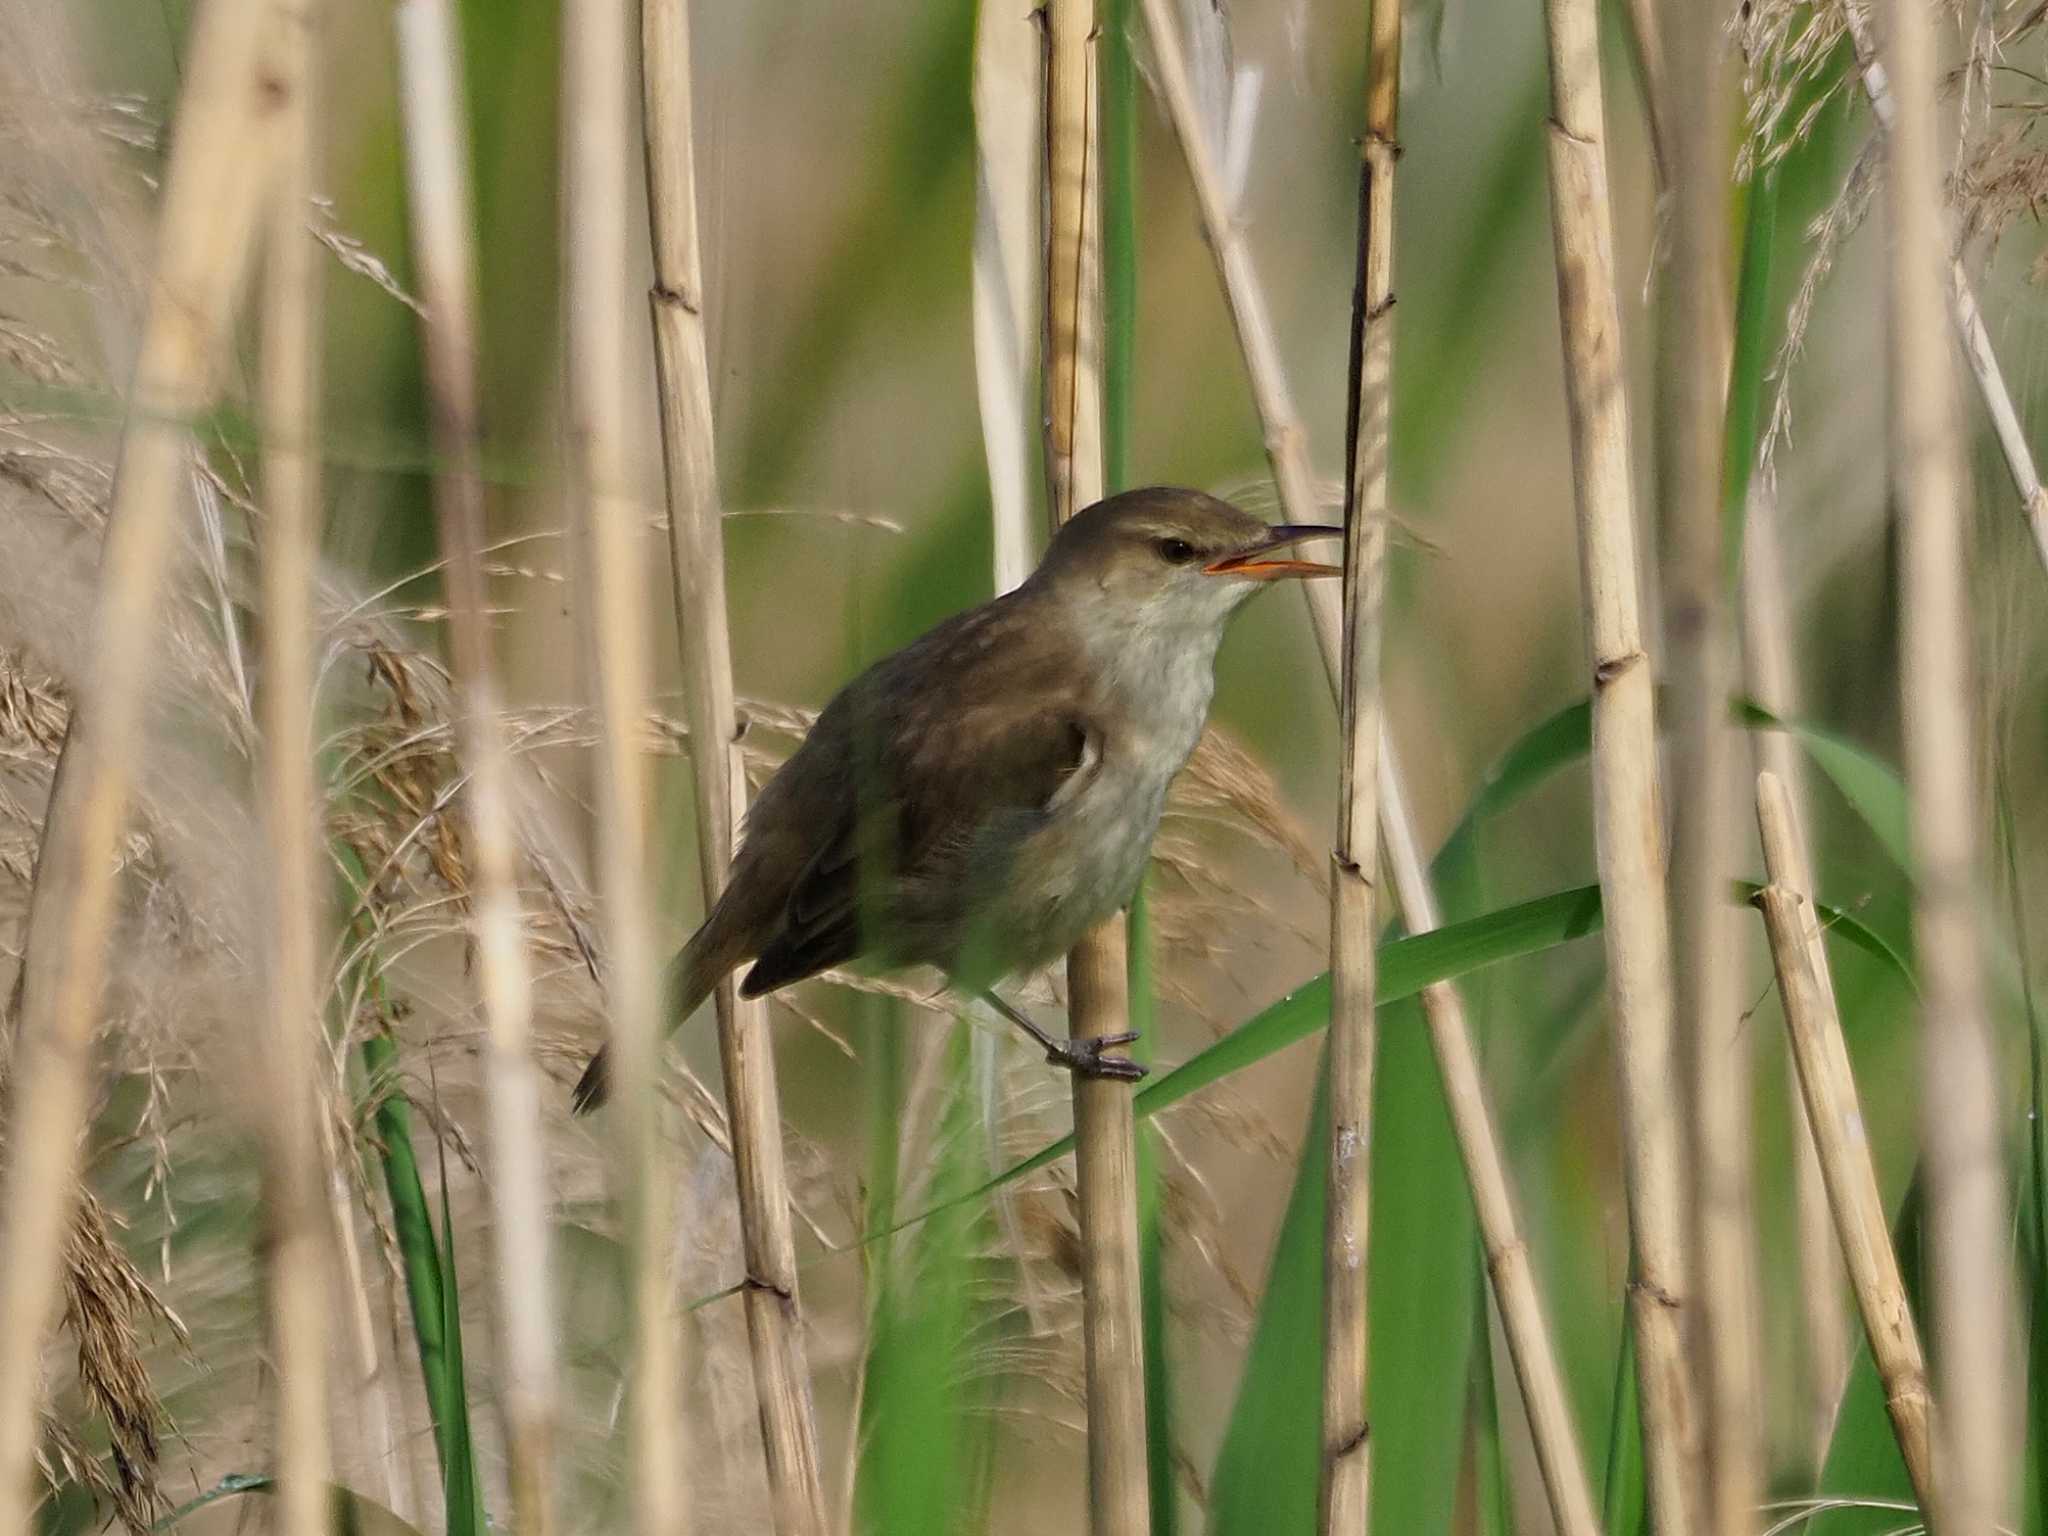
x: 596, y: 165
x: 1627, y: 829
x: 1707, y: 971
x: 1009, y: 110
x: 1962, y: 1125
x: 1828, y: 1088
x: 775, y: 1326
x: 299, y: 1254
x: 1964, y: 313
x: 438, y: 187
x: 1344, y: 1498
x: 1098, y: 981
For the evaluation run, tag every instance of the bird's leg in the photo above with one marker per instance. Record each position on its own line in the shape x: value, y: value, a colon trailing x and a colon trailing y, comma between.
x: 1081, y: 1056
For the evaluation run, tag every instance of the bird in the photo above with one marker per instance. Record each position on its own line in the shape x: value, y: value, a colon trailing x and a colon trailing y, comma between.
x: 983, y: 797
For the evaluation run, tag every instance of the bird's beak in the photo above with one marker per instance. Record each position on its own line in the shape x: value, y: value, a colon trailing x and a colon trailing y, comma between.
x: 1252, y: 563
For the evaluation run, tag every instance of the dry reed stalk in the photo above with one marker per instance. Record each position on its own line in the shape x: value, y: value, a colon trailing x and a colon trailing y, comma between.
x: 1828, y: 1088
x: 1767, y: 651
x: 1106, y: 1188
x: 1008, y: 101
x: 1964, y: 313
x: 440, y: 206
x: 596, y: 154
x: 1646, y: 49
x: 206, y: 227
x: 294, y: 1099
x: 1344, y: 1497
x: 1707, y: 965
x: 775, y: 1325
x: 1961, y: 1124
x: 1768, y: 669
x: 1009, y: 251
x: 1515, y: 1288
x: 1627, y: 831
x: 1073, y: 261
x: 1098, y: 998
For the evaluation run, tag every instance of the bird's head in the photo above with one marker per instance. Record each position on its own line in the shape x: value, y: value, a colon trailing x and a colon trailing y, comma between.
x: 1173, y: 558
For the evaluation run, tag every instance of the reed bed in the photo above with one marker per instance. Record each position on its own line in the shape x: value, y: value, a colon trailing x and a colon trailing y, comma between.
x: 221, y: 586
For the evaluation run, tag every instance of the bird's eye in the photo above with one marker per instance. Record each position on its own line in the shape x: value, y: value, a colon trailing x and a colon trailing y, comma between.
x: 1176, y: 551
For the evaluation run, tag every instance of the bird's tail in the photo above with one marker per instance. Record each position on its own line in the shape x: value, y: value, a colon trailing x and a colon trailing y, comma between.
x: 698, y: 967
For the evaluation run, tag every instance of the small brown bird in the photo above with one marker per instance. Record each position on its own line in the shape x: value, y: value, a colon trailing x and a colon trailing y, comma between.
x: 986, y: 795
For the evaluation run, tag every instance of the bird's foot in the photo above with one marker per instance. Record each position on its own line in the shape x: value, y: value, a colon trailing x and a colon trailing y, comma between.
x: 1086, y: 1058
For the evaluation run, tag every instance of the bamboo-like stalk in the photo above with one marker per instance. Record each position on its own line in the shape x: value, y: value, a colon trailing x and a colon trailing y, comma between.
x: 1098, y: 984
x: 1344, y: 1498
x: 1515, y: 1289
x: 1767, y: 662
x: 1008, y: 284
x: 1828, y: 1088
x: 444, y: 256
x: 1008, y: 102
x: 294, y: 1220
x: 1646, y: 52
x: 596, y: 167
x: 775, y: 1327
x: 1961, y: 1121
x: 1626, y: 825
x: 1767, y: 657
x: 1106, y: 1184
x: 209, y: 211
x: 1707, y: 973
x: 1073, y: 261
x: 1963, y: 310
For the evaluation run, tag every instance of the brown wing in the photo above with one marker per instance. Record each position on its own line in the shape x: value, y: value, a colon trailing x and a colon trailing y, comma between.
x: 944, y: 757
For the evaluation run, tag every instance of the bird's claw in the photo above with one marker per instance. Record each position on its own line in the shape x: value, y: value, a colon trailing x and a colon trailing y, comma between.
x: 1085, y: 1058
